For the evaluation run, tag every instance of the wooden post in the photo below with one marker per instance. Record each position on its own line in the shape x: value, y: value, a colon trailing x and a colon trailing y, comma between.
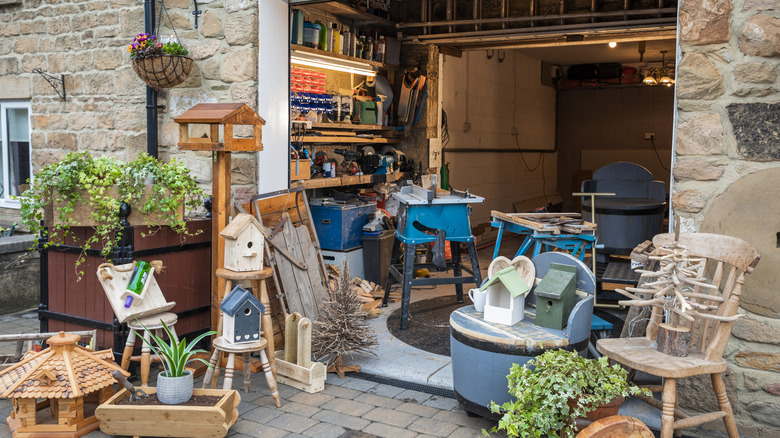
x: 220, y: 212
x: 672, y: 340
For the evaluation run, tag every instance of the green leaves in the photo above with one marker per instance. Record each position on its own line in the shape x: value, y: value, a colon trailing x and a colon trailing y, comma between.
x: 175, y: 354
x: 82, y: 182
x: 556, y: 387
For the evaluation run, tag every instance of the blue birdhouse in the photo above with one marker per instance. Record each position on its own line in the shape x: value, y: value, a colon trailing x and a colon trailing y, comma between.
x: 241, y: 314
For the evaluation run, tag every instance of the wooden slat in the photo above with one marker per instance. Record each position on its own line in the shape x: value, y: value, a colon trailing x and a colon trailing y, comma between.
x: 357, y: 140
x: 291, y: 337
x: 304, y: 342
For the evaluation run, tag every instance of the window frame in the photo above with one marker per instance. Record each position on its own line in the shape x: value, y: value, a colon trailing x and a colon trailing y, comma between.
x: 5, y: 200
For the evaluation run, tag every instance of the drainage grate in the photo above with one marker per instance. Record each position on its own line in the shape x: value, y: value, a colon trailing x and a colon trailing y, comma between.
x: 441, y: 392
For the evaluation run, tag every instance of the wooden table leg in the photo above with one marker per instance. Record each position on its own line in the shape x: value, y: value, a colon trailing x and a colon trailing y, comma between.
x: 128, y: 352
x: 267, y: 323
x: 215, y: 379
x: 247, y: 371
x: 229, y: 370
x: 146, y: 359
x: 210, y: 371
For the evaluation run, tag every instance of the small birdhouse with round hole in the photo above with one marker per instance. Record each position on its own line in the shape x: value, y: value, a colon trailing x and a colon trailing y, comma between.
x: 243, y: 244
x: 241, y: 312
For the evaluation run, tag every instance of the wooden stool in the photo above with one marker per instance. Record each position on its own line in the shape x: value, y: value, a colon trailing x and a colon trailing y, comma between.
x: 152, y: 323
x: 221, y: 345
x: 260, y: 291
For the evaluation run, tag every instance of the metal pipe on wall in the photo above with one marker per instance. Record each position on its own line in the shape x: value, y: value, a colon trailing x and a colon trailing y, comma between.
x: 151, y: 93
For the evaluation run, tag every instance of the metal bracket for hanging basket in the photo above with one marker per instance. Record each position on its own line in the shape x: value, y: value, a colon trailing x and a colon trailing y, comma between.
x: 57, y: 83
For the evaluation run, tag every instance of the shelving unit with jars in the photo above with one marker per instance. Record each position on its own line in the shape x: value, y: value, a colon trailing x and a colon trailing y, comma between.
x: 336, y: 49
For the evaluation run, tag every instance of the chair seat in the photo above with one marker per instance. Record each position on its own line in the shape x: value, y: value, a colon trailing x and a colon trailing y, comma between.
x: 152, y: 322
x: 227, y: 274
x: 243, y: 347
x: 641, y: 354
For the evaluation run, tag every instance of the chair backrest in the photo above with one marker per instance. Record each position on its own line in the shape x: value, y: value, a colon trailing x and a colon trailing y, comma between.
x: 625, y: 180
x: 727, y: 259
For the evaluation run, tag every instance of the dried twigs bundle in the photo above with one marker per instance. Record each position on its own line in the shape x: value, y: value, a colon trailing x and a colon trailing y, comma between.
x: 341, y: 325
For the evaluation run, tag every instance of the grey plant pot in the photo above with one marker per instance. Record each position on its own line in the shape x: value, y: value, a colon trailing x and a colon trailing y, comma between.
x: 174, y: 390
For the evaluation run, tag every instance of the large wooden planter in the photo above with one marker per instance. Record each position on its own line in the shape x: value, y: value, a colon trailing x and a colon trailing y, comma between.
x: 82, y: 214
x: 169, y: 420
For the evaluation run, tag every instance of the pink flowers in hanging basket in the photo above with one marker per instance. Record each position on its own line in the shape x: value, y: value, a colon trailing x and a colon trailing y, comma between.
x: 160, y: 65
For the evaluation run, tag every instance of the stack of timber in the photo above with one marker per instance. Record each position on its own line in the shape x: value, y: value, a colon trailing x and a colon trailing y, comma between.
x: 554, y: 223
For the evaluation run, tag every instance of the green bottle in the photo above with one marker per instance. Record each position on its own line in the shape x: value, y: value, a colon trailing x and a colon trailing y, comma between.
x: 138, y: 279
x: 445, y: 177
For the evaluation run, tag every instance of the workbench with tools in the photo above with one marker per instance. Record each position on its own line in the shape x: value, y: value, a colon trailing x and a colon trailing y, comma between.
x: 566, y: 231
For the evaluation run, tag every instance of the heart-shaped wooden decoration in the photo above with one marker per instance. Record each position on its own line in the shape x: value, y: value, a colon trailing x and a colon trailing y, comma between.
x: 522, y: 264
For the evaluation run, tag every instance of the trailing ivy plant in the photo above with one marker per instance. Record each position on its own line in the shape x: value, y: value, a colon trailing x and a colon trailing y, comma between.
x: 100, y: 185
x: 556, y: 387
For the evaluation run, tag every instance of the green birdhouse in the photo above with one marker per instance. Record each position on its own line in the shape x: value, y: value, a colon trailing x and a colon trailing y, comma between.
x: 555, y: 296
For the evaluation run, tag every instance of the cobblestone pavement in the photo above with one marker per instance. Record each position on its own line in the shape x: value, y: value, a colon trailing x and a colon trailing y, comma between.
x: 349, y: 407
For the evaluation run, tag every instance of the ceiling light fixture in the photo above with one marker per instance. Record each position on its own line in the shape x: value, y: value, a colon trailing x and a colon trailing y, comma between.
x: 659, y: 75
x: 666, y: 78
x: 328, y: 63
x: 612, y: 44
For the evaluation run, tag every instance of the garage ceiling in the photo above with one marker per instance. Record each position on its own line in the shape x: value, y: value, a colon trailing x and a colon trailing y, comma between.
x: 625, y: 53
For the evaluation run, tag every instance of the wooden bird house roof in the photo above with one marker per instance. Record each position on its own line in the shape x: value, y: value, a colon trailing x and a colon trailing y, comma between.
x: 233, y: 113
x: 233, y: 302
x: 64, y: 370
x: 237, y: 226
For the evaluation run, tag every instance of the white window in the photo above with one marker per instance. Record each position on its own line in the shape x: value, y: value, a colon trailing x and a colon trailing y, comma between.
x: 15, y: 151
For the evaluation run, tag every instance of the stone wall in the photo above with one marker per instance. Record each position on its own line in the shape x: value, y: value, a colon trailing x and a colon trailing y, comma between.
x: 105, y: 110
x: 726, y: 173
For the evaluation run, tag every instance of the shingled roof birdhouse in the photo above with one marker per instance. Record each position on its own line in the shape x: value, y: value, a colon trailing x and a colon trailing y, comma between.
x: 243, y: 244
x: 241, y: 313
x: 71, y: 380
x: 216, y: 115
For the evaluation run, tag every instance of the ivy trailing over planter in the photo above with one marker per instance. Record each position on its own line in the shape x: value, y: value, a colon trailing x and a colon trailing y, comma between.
x: 82, y: 190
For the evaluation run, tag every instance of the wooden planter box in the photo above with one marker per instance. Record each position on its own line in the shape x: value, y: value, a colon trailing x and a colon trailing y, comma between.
x: 169, y: 421
x: 82, y: 214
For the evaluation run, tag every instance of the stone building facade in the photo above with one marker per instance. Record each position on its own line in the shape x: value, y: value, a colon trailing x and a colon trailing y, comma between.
x: 727, y: 152
x: 105, y: 109
x: 727, y: 178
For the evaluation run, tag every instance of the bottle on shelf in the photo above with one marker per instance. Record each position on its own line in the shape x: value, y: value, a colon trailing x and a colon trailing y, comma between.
x: 311, y: 34
x: 297, y: 27
x: 335, y: 45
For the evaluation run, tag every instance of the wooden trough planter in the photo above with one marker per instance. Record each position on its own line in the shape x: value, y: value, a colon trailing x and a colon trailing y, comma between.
x: 169, y: 420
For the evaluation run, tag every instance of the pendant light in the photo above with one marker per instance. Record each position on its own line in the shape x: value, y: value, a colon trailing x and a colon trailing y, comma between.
x: 666, y: 79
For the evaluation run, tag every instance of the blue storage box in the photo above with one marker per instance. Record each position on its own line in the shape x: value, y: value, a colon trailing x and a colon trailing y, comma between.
x: 340, y: 226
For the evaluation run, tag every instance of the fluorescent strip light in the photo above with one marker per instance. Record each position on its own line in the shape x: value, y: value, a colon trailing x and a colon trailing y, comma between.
x: 328, y: 63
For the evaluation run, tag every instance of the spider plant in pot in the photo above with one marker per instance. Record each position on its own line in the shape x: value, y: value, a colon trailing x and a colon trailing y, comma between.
x: 557, y: 387
x: 174, y: 384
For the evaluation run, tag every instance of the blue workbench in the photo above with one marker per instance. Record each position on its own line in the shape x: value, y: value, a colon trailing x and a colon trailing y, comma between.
x: 573, y: 238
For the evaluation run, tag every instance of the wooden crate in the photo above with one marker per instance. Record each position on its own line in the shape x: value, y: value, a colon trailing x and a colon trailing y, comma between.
x: 300, y: 170
x: 171, y: 420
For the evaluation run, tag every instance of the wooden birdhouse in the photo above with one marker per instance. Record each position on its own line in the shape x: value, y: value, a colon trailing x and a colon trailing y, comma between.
x: 555, y: 296
x: 243, y: 244
x: 225, y: 116
x: 241, y: 313
x: 505, y: 301
x: 70, y: 380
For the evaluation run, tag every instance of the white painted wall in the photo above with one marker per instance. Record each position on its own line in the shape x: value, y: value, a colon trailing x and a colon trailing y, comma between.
x: 493, y: 98
x: 274, y: 94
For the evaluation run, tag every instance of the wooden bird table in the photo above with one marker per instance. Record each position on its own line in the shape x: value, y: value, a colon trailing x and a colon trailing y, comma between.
x: 226, y: 116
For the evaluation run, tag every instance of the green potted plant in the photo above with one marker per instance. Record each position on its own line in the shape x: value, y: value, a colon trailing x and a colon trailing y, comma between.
x: 82, y: 190
x: 174, y: 384
x: 557, y: 387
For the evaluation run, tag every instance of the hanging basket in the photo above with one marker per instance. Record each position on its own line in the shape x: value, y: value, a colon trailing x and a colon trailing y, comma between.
x: 163, y: 71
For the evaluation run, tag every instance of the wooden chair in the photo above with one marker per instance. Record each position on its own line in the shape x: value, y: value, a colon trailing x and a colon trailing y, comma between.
x: 728, y: 259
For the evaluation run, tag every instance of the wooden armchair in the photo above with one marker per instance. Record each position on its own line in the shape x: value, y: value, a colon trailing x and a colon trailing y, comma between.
x: 728, y: 259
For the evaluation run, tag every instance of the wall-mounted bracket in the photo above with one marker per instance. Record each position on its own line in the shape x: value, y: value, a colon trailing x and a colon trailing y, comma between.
x: 196, y: 12
x: 57, y: 83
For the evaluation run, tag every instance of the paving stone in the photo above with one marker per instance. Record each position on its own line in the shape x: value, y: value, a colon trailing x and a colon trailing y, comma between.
x: 292, y: 422
x: 387, y: 431
x: 359, y: 384
x: 464, y: 432
x: 341, y: 392
x: 461, y: 419
x: 300, y: 409
x: 357, y: 434
x: 261, y: 414
x: 316, y: 399
x: 432, y: 427
x: 441, y: 402
x: 349, y: 407
x: 423, y: 435
x: 419, y: 410
x: 409, y: 395
x: 378, y: 400
x: 336, y: 381
x: 256, y: 429
x: 345, y: 420
x: 391, y: 417
x: 233, y: 435
x: 324, y: 430
x: 385, y: 390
